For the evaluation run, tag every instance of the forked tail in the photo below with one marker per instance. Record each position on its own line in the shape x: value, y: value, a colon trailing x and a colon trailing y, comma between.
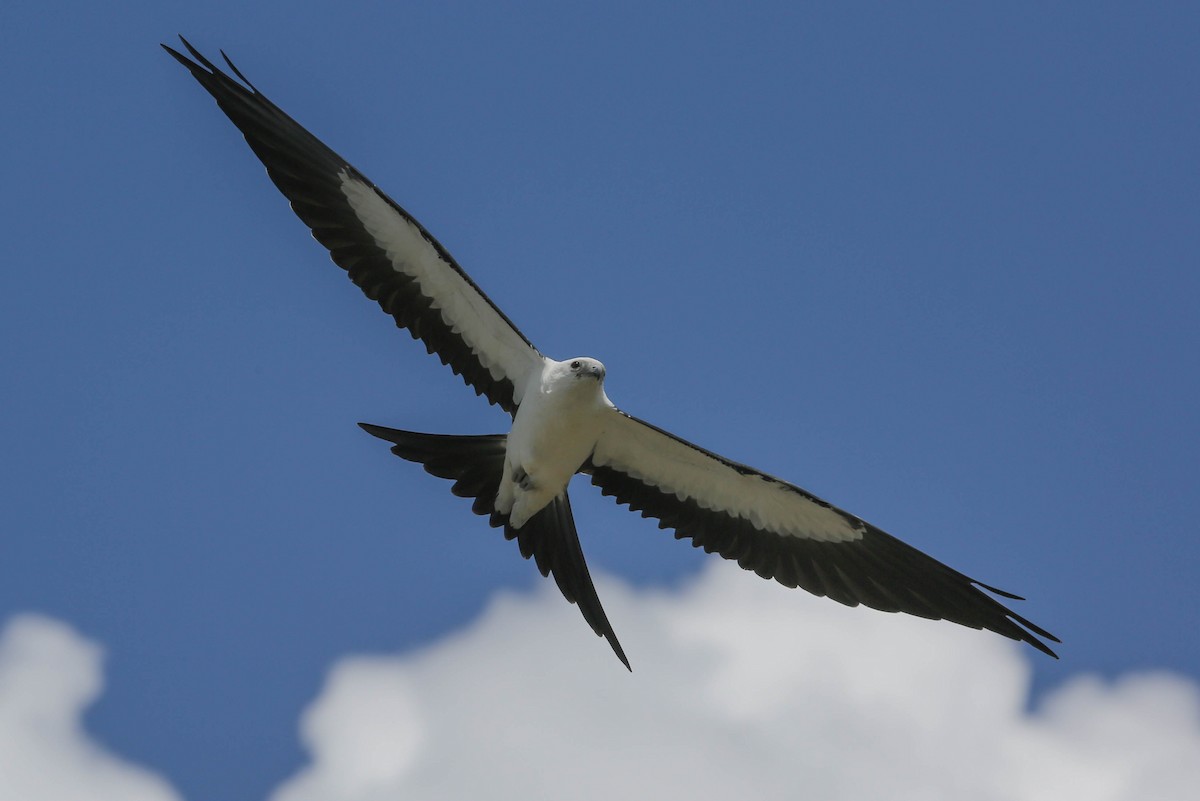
x: 475, y: 463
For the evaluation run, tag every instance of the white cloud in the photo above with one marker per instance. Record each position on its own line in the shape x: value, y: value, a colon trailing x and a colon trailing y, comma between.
x: 741, y: 689
x: 48, y: 676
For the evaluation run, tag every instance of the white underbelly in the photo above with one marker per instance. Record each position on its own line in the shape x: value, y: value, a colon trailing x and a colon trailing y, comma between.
x: 552, y: 436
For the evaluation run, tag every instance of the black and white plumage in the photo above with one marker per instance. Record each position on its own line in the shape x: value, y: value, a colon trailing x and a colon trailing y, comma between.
x: 563, y: 423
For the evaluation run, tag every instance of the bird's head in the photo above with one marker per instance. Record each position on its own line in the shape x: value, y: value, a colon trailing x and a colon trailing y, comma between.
x: 582, y: 368
x: 579, y: 377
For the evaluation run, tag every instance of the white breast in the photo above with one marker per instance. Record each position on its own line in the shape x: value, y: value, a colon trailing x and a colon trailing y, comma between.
x: 560, y: 418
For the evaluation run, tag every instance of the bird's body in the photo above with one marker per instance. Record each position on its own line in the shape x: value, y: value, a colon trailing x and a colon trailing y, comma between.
x: 564, y: 424
x: 555, y: 431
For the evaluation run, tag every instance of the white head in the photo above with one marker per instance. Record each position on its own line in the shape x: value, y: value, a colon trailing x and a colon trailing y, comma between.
x: 582, y: 367
x: 574, y: 375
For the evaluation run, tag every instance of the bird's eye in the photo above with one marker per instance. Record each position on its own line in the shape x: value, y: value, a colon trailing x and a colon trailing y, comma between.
x: 575, y: 365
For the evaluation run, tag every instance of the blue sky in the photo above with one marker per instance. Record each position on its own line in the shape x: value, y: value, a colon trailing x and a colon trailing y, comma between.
x: 937, y: 265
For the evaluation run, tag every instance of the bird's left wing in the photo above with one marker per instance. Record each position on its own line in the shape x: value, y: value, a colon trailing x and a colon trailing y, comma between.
x: 386, y: 252
x: 783, y: 532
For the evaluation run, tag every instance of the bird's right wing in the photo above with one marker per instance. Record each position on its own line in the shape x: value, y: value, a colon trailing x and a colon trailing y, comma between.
x: 387, y: 253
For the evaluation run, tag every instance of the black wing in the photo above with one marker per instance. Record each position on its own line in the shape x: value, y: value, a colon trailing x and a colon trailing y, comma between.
x: 387, y: 253
x: 783, y: 532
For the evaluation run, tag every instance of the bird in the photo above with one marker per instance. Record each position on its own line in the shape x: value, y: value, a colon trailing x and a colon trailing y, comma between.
x: 563, y: 423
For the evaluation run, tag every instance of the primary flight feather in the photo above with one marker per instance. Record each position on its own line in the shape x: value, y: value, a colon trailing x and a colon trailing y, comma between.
x: 563, y: 423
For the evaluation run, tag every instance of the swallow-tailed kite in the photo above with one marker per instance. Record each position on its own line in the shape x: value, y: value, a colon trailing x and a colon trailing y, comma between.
x: 563, y: 423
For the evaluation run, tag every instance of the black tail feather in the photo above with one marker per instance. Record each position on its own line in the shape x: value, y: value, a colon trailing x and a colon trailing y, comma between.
x: 551, y: 539
x: 476, y: 464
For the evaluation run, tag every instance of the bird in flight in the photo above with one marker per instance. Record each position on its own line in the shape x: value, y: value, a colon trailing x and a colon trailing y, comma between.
x: 563, y: 423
